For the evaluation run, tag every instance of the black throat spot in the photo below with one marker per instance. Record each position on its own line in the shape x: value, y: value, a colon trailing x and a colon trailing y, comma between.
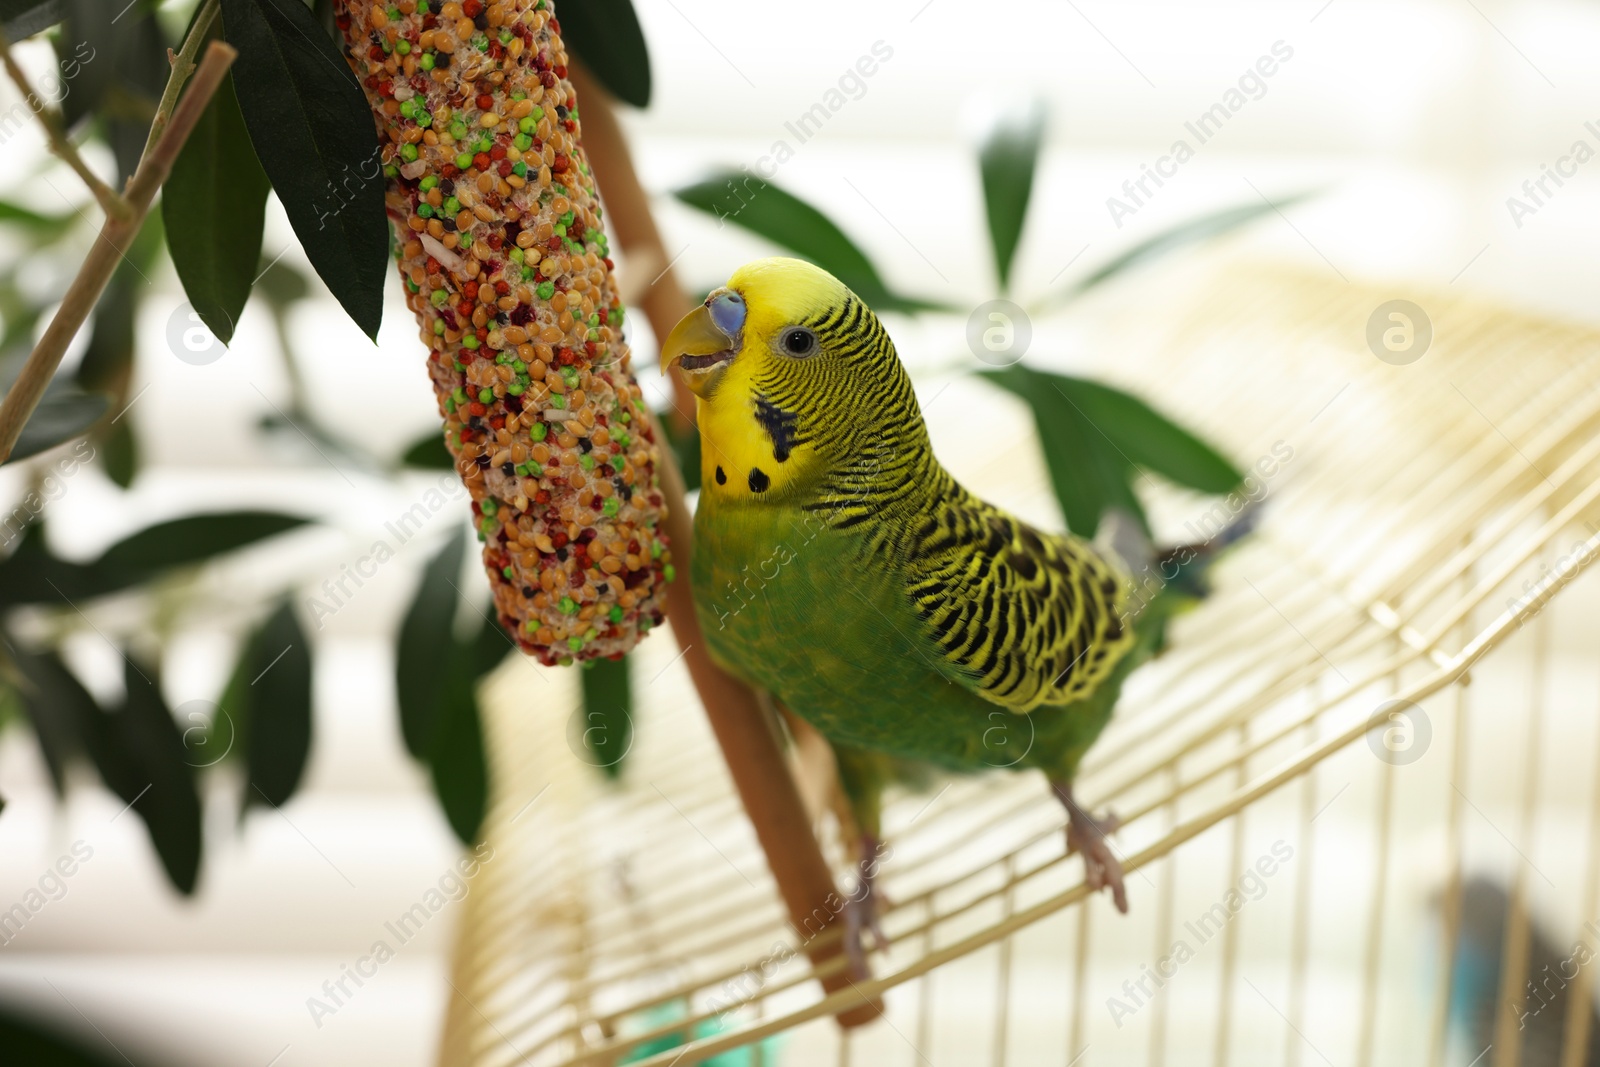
x: 780, y: 426
x: 758, y: 480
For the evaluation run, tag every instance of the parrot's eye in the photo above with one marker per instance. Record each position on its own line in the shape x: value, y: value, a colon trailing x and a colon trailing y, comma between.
x: 798, y: 342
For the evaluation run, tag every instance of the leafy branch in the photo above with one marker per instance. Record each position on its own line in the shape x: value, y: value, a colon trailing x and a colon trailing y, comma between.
x: 121, y: 226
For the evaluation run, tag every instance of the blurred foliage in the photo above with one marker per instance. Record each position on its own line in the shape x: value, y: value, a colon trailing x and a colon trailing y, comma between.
x: 607, y: 713
x: 136, y: 746
x: 437, y: 674
x: 1097, y: 439
x: 30, y: 1043
x: 1007, y: 160
x: 606, y: 35
x: 784, y: 219
x: 270, y: 714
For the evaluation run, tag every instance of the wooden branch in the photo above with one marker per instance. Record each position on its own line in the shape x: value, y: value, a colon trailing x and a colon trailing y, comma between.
x: 742, y: 727
x: 113, y: 240
x: 55, y: 131
x: 628, y: 209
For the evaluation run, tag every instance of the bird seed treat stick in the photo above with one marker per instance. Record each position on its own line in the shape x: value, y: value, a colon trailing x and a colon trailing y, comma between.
x: 505, y: 263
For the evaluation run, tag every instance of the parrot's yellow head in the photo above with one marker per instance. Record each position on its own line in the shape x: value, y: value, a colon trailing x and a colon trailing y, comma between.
x: 795, y: 376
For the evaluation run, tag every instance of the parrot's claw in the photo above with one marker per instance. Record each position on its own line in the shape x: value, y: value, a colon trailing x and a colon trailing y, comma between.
x: 861, y: 911
x: 1089, y: 836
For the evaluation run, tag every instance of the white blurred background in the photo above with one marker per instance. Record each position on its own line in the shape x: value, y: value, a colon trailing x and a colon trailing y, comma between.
x: 1414, y: 120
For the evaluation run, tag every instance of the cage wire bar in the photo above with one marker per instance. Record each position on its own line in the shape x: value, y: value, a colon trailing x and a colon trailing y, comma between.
x: 1402, y: 544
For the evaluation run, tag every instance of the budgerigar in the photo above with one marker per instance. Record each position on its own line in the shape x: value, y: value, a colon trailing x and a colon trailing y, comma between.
x: 840, y: 567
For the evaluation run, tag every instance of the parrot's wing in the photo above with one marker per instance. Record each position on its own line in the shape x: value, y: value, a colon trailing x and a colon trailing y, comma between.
x: 1022, y: 618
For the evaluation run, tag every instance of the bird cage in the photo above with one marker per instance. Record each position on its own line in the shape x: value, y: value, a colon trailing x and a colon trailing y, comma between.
x: 1373, y: 710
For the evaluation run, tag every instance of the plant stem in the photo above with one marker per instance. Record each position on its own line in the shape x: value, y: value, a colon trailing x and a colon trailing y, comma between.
x: 115, y: 235
x: 628, y: 209
x: 55, y: 131
x: 182, y: 67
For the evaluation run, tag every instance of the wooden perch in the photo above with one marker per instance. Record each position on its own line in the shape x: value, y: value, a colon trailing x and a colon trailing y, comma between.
x: 742, y: 727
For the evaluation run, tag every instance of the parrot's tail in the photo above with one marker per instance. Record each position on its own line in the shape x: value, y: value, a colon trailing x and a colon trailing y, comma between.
x: 1167, y: 581
x: 1187, y: 566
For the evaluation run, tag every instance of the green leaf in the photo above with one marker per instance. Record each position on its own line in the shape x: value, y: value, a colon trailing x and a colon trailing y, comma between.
x: 784, y: 219
x: 313, y: 132
x: 140, y: 754
x: 455, y: 753
x: 429, y: 453
x: 281, y: 285
x: 33, y: 575
x: 112, y: 55
x: 426, y: 647
x: 1007, y: 160
x: 488, y: 649
x: 272, y: 710
x: 214, y: 206
x: 120, y: 452
x: 64, y: 412
x: 1096, y: 439
x: 1190, y: 232
x: 1146, y: 437
x: 56, y: 704
x: 47, y: 226
x: 96, y: 52
x: 1088, y: 474
x: 605, y: 35
x: 193, y: 539
x: 607, y: 713
x: 24, y: 18
x: 29, y: 1039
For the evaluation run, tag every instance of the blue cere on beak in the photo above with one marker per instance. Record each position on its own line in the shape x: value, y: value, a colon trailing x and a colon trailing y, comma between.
x: 727, y: 311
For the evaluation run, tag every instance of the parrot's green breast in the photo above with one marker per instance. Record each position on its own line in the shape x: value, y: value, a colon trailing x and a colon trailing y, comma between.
x: 794, y: 606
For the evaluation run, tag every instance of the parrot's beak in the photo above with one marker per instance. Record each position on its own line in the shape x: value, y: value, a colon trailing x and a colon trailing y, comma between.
x: 706, y: 340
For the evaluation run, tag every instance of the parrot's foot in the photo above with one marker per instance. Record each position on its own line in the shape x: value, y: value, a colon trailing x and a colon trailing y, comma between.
x: 861, y: 910
x: 1088, y: 836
